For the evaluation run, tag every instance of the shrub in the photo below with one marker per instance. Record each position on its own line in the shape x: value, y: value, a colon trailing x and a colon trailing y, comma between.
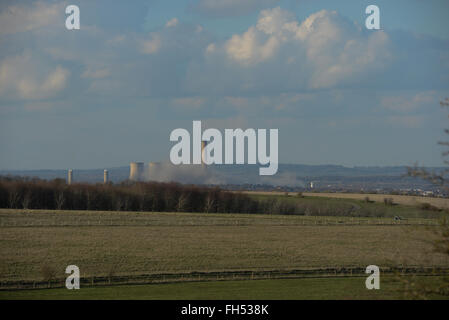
x: 429, y: 207
x: 48, y: 273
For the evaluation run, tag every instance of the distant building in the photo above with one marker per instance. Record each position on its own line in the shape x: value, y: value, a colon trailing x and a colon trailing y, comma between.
x: 105, y: 176
x: 70, y: 177
x: 136, y: 171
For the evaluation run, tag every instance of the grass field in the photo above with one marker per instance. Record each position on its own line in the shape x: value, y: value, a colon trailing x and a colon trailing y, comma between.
x: 405, y: 200
x: 291, y: 289
x: 347, y: 204
x: 101, y: 243
x: 36, y: 242
x: 399, y: 199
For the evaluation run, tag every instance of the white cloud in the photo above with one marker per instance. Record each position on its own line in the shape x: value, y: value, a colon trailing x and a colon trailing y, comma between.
x: 260, y: 42
x: 20, y: 18
x: 250, y: 47
x: 325, y: 50
x: 274, y: 21
x: 172, y: 23
x: 408, y: 103
x: 407, y: 121
x: 24, y: 78
x: 211, y: 48
x: 189, y: 102
x: 152, y: 45
x: 96, y: 74
x: 117, y: 40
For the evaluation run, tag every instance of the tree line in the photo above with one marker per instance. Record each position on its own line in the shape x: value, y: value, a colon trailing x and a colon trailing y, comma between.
x: 33, y: 193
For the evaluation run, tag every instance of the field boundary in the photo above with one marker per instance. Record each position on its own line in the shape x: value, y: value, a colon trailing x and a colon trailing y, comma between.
x: 155, y: 278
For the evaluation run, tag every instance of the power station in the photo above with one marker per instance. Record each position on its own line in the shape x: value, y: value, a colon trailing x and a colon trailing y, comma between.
x: 154, y: 166
x: 105, y: 176
x: 70, y: 177
x: 136, y: 171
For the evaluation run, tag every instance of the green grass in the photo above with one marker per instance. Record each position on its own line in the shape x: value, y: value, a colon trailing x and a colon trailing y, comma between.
x: 283, y: 289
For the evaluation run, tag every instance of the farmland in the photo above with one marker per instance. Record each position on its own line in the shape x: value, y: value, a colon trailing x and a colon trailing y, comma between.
x: 399, y: 199
x: 36, y: 243
x: 408, y: 201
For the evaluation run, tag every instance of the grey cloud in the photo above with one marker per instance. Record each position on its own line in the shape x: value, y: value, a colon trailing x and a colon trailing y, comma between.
x: 17, y: 17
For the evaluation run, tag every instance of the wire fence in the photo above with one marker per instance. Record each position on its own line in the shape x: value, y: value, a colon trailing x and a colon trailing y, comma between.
x: 94, y: 281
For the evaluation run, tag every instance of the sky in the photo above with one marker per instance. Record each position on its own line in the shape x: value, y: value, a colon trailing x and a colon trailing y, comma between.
x: 112, y: 92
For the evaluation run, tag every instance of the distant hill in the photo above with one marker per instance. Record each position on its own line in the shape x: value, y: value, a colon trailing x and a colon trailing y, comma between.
x: 289, y: 175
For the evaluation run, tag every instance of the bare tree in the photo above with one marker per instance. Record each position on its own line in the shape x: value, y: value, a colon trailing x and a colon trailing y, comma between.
x: 88, y: 199
x: 118, y: 204
x: 13, y: 198
x: 209, y: 203
x: 182, y: 202
x: 26, y: 200
x: 59, y: 199
x: 441, y: 244
x: 142, y: 199
x: 48, y: 273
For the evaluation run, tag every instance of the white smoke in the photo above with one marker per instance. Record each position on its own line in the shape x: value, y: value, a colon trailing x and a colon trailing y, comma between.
x: 188, y: 174
x: 285, y: 178
x: 216, y: 175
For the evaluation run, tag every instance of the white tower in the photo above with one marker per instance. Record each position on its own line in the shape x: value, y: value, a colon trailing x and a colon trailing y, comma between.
x: 105, y: 176
x: 70, y: 177
x: 136, y: 170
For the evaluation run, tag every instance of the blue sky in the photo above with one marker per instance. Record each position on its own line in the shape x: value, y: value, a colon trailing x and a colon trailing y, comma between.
x: 113, y: 91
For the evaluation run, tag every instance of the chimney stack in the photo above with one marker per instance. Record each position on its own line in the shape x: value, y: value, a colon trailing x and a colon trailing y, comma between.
x: 105, y: 176
x: 70, y: 177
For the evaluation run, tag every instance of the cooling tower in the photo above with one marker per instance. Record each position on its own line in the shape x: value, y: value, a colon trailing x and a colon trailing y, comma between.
x: 70, y: 176
x: 203, y: 152
x: 154, y: 166
x: 136, y: 171
x: 105, y: 176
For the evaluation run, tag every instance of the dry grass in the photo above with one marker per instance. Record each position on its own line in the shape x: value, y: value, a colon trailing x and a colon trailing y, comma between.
x: 442, y: 203
x: 101, y: 243
x: 61, y: 218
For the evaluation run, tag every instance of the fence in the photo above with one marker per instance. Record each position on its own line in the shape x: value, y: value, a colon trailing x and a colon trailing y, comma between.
x: 222, y: 276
